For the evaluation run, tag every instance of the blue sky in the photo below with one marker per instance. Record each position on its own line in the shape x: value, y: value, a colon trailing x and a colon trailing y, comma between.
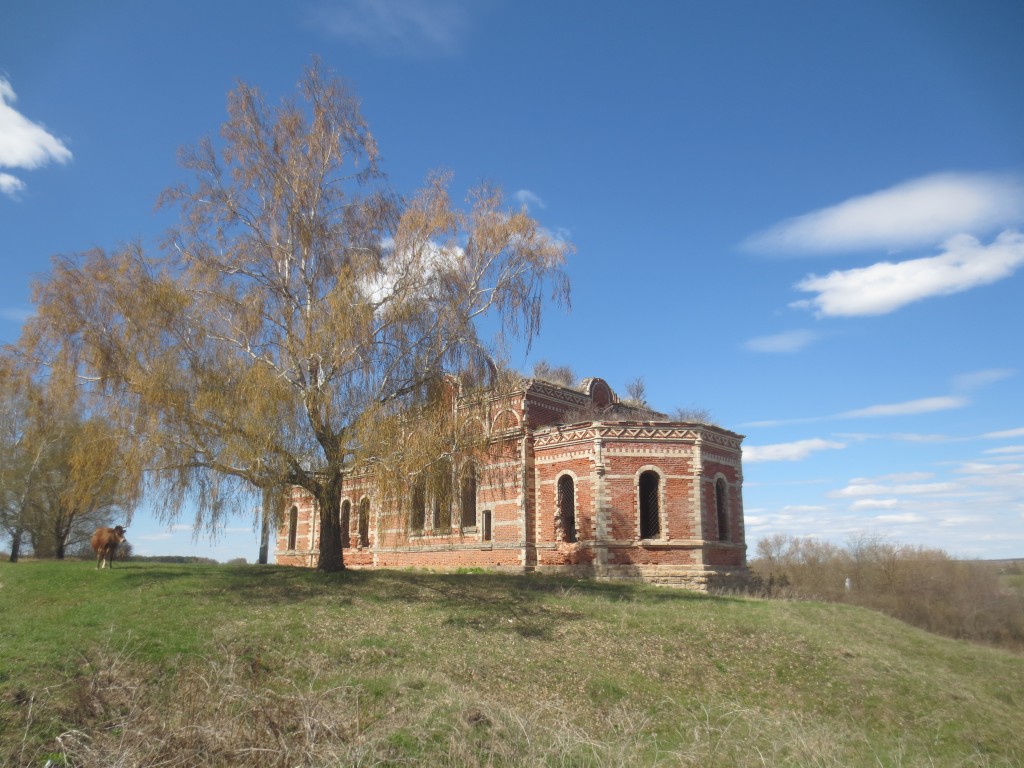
x: 804, y: 217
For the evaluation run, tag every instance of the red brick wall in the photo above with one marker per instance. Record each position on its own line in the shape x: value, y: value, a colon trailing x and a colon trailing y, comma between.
x: 518, y: 485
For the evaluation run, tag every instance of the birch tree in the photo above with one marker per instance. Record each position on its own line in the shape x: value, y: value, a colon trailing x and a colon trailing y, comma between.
x: 301, y: 319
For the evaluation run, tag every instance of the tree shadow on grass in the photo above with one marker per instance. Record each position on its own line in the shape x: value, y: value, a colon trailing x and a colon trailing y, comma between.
x: 528, y: 606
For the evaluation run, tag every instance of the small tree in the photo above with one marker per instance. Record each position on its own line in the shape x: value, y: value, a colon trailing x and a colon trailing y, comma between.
x: 23, y: 451
x: 81, y: 488
x: 59, y: 470
x: 302, y: 319
x: 693, y: 414
x: 556, y: 374
x: 636, y: 392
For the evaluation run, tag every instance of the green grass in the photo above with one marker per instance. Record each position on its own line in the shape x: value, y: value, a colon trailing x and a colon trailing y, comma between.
x: 233, y: 665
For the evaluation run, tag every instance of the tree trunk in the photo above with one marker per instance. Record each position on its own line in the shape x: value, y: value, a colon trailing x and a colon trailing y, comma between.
x: 329, y: 502
x: 16, y: 545
x: 268, y: 500
x: 60, y: 536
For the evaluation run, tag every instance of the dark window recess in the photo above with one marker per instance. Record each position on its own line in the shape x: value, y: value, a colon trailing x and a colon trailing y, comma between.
x: 293, y: 526
x: 722, y: 506
x: 469, y: 498
x: 419, y: 505
x: 486, y: 515
x: 364, y: 523
x: 441, y: 509
x: 650, y: 513
x: 567, y: 507
x: 346, y: 518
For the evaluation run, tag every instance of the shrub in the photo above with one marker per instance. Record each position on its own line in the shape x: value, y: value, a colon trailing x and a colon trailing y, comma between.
x: 921, y: 586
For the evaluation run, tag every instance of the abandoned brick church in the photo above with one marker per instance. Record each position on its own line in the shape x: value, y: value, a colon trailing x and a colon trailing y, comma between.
x: 587, y: 485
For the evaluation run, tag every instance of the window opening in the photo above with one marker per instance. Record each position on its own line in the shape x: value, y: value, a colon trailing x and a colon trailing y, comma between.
x: 419, y: 505
x: 364, y: 523
x: 567, y: 507
x: 486, y: 515
x: 293, y: 526
x: 469, y: 498
x: 721, y: 505
x: 441, y: 509
x: 346, y: 515
x: 650, y: 517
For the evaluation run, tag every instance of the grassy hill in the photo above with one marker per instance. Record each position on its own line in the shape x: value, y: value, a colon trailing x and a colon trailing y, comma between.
x: 241, y: 665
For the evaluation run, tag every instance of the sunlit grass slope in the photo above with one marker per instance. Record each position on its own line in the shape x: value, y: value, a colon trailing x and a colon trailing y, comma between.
x: 224, y: 665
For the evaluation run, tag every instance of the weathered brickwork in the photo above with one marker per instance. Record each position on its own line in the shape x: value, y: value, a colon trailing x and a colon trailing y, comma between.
x: 579, y: 484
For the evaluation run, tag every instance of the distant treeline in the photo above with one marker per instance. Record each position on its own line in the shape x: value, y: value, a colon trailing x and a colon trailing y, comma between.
x: 974, y: 600
x: 176, y: 559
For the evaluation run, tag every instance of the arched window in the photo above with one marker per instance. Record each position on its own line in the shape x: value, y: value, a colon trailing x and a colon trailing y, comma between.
x: 441, y: 509
x: 418, y: 516
x: 346, y: 517
x: 650, y: 512
x: 567, y: 507
x: 364, y: 523
x: 293, y: 526
x: 722, y: 507
x: 468, y: 497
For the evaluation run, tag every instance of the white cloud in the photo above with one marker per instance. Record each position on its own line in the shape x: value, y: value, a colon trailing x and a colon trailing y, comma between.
x: 898, y: 477
x: 905, y: 517
x: 795, y: 451
x: 528, y: 199
x: 403, y: 27
x: 1018, y: 432
x: 865, y: 487
x: 903, y: 437
x: 909, y: 408
x: 982, y: 468
x: 1010, y: 449
x: 16, y: 314
x: 153, y: 537
x: 10, y: 185
x: 788, y: 341
x: 779, y: 422
x: 968, y: 382
x: 916, y: 213
x: 955, y: 520
x: 861, y: 504
x: 23, y: 144
x: 887, y: 286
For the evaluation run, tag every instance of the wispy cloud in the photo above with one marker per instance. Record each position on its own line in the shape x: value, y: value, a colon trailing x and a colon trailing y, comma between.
x: 861, y: 486
x: 904, y: 517
x: 916, y: 213
x: 903, y: 437
x: 23, y: 144
x: 1011, y: 450
x: 1018, y: 432
x: 785, y: 342
x: 969, y: 382
x: 16, y: 314
x: 528, y: 199
x: 862, y: 504
x: 963, y: 383
x: 397, y: 27
x: 908, y: 408
x: 794, y: 451
x: 10, y: 185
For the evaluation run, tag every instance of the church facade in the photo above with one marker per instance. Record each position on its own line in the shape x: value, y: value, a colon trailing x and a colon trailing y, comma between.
x: 582, y: 484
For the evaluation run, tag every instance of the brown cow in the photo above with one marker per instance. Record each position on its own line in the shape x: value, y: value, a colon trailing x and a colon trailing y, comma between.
x: 104, y: 543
